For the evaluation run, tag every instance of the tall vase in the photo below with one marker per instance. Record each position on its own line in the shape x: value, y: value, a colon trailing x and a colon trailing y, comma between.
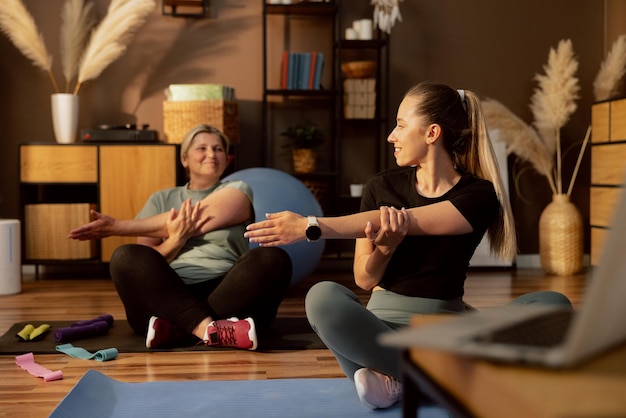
x: 561, y: 237
x: 64, y: 117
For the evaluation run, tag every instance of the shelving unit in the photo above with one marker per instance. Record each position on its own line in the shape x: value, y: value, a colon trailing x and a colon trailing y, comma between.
x: 363, y: 150
x: 300, y: 27
x: 356, y: 148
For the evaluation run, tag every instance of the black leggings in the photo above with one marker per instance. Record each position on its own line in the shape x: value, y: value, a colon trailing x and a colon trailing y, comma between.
x: 147, y: 285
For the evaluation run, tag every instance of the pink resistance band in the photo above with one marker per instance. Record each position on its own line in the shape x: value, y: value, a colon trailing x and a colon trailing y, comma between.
x: 27, y: 362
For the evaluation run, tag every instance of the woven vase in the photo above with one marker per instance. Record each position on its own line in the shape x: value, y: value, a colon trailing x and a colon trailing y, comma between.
x: 561, y: 237
x: 304, y: 160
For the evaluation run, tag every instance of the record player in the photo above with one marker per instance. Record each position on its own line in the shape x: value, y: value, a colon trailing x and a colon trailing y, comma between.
x: 119, y: 133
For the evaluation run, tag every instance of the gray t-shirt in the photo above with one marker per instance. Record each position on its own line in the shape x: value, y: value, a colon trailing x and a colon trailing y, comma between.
x: 207, y: 256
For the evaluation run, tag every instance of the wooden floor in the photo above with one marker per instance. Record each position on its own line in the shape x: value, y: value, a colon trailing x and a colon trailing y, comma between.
x: 22, y: 395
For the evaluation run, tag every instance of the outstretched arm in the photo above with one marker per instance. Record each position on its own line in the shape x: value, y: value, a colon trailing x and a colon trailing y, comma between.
x: 283, y: 228
x: 232, y: 207
x: 225, y: 207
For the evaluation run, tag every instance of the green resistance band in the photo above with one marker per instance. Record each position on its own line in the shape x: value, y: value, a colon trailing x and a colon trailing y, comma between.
x: 79, y: 352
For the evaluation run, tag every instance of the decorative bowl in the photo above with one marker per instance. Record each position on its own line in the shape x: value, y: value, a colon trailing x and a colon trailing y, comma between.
x: 359, y: 69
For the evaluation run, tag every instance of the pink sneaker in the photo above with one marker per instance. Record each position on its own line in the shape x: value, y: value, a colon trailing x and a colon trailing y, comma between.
x: 377, y: 390
x: 163, y: 334
x: 232, y: 332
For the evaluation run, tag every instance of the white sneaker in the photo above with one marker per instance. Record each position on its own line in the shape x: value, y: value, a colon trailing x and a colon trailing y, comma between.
x: 377, y: 390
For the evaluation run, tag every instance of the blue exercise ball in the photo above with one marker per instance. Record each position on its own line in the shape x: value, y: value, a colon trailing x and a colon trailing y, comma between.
x: 276, y: 191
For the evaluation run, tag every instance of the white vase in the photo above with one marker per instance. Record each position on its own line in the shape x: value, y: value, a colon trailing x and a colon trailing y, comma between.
x: 64, y: 117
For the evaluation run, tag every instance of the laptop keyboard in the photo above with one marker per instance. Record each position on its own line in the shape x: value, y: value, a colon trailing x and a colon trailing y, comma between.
x: 542, y: 331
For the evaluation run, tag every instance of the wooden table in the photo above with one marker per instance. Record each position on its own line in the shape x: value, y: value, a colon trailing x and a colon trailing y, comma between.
x: 478, y: 388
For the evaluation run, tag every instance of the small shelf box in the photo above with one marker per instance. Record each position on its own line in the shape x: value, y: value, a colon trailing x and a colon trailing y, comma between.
x: 359, y: 98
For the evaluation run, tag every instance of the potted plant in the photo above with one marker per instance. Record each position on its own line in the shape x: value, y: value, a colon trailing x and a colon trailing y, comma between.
x: 304, y: 140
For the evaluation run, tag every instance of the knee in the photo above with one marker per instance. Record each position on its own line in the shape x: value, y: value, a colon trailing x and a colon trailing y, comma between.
x: 121, y: 257
x: 126, y: 258
x: 273, y: 260
x: 278, y: 257
x: 322, y: 298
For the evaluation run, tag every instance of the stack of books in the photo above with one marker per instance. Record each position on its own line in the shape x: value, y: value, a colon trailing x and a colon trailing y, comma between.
x: 359, y: 98
x: 301, y: 70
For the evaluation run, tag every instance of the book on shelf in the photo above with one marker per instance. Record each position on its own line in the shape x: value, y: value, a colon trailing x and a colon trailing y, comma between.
x: 284, y: 70
x: 311, y: 81
x: 301, y: 70
x: 305, y: 68
x: 319, y: 67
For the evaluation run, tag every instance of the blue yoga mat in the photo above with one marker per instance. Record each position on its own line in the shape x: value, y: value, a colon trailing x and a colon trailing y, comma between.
x: 96, y: 395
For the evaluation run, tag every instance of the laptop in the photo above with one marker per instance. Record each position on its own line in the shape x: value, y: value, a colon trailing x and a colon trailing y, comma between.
x: 497, y: 333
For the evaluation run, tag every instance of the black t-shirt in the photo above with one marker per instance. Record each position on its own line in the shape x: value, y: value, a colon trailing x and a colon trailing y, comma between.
x: 432, y: 266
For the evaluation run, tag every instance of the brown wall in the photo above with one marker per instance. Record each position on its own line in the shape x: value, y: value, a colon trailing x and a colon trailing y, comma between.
x: 493, y: 47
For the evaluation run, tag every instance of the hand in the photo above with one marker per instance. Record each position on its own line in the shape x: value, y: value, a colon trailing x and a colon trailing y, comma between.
x: 280, y: 228
x: 394, y: 225
x: 102, y: 226
x: 182, y: 224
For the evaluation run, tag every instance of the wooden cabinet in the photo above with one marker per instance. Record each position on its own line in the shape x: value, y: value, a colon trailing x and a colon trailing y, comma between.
x: 59, y: 184
x: 608, y: 167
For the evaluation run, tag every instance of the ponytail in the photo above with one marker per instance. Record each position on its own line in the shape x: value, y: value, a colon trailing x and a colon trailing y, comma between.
x: 501, y: 233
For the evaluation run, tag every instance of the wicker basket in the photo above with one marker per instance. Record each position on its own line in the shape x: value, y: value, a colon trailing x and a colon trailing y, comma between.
x: 561, y: 237
x: 304, y: 160
x: 180, y: 117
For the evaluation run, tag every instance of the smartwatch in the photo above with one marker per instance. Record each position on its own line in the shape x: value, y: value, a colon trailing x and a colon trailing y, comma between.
x: 313, y: 231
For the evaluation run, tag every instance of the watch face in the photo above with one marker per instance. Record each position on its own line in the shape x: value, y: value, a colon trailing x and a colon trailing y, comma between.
x: 313, y: 232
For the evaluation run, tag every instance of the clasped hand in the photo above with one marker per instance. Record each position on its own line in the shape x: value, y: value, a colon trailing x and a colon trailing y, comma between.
x: 184, y: 223
x: 394, y: 226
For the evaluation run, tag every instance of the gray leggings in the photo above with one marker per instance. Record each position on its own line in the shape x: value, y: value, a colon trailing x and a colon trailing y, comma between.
x: 350, y: 329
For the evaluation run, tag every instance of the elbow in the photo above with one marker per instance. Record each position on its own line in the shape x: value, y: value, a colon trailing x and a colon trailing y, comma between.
x: 366, y: 284
x: 367, y: 288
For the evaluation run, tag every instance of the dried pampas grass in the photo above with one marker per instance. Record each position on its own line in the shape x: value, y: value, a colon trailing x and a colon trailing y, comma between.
x: 521, y: 139
x: 552, y: 105
x: 607, y: 83
x: 554, y: 101
x: 107, y: 43
x: 18, y: 24
x: 76, y: 24
x: 110, y: 39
